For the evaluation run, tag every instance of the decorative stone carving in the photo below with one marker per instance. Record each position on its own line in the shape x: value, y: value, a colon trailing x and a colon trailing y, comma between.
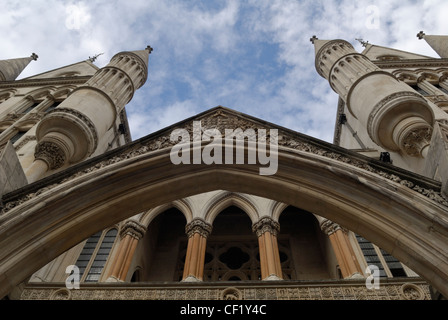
x: 330, y: 227
x: 51, y: 153
x: 266, y: 224
x: 356, y: 290
x: 285, y: 139
x: 415, y: 141
x: 231, y: 294
x: 200, y: 226
x: 410, y: 291
x: 61, y: 294
x: 133, y: 229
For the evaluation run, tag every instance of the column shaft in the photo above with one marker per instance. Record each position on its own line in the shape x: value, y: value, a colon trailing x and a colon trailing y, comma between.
x: 266, y: 229
x: 342, y: 248
x: 197, y: 231
x: 131, y: 233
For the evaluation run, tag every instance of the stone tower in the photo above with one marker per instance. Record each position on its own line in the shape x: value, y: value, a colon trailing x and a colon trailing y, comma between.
x: 391, y: 102
x: 72, y: 132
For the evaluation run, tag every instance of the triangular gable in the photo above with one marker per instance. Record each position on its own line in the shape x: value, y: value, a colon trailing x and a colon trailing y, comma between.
x: 375, y: 53
x: 79, y: 69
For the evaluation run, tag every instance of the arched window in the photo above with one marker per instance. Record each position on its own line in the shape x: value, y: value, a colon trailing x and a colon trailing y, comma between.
x: 93, y: 256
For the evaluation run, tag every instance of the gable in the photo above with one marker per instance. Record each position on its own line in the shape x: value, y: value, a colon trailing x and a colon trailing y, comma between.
x: 80, y: 69
x: 379, y: 53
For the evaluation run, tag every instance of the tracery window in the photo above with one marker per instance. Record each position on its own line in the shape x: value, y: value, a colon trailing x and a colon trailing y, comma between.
x: 388, y: 265
x: 93, y: 256
x: 234, y: 261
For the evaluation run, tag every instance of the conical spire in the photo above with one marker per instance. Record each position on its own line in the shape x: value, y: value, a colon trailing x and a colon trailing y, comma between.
x: 317, y: 43
x: 11, y: 68
x: 438, y: 43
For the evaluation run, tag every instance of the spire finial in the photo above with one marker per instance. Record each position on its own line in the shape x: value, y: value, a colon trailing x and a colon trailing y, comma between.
x: 34, y: 56
x: 92, y: 59
x: 420, y: 35
x: 362, y: 42
x: 149, y: 49
x: 313, y: 38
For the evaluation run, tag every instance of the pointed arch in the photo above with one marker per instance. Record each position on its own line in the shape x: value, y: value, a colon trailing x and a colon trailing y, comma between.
x: 378, y: 202
x: 277, y: 209
x: 182, y: 205
x: 226, y: 199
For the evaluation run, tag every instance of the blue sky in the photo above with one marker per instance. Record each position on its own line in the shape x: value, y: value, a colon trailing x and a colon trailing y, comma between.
x: 253, y: 56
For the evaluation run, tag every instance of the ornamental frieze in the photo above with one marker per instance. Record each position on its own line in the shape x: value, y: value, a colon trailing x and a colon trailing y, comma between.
x: 355, y: 291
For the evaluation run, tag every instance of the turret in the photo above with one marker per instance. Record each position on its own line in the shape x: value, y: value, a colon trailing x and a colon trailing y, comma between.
x: 395, y: 116
x: 10, y: 69
x: 438, y: 43
x: 70, y: 133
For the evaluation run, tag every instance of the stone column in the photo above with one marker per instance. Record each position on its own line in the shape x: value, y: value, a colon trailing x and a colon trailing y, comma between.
x: 266, y: 230
x: 130, y: 234
x: 198, y: 231
x: 342, y: 247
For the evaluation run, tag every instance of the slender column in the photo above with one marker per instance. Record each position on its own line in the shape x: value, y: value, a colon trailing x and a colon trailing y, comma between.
x: 266, y: 229
x: 342, y: 248
x: 131, y: 233
x: 198, y: 231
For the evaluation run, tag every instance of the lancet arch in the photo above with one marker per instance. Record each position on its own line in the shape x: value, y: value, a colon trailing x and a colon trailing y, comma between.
x: 44, y: 219
x: 182, y: 205
x: 227, y: 199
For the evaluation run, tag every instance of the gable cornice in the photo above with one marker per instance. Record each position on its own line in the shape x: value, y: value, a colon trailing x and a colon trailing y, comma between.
x: 44, y: 82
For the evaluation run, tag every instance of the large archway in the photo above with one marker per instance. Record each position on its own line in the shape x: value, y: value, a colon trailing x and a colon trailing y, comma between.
x: 45, y: 219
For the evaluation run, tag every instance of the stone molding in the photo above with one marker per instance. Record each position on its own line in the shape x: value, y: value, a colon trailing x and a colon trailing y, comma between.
x: 378, y: 111
x: 347, y: 290
x: 134, y: 229
x: 266, y: 224
x: 414, y: 63
x: 287, y: 139
x: 44, y: 82
x: 200, y: 226
x: 92, y: 133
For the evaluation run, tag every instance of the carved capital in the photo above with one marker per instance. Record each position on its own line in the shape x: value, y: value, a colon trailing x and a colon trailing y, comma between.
x: 133, y: 229
x: 329, y: 227
x: 51, y: 153
x: 198, y: 226
x: 266, y: 224
x: 416, y: 140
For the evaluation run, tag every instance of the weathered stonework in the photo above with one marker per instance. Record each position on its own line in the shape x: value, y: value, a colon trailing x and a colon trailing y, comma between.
x: 350, y: 290
x: 220, y: 119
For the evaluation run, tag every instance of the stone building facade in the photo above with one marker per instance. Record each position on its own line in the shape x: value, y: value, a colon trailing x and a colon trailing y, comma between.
x: 83, y: 203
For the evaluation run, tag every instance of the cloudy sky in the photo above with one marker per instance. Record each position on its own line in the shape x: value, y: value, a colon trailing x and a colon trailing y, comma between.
x: 253, y: 56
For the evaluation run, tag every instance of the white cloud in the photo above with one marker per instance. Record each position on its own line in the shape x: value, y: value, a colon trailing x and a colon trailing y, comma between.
x: 253, y: 56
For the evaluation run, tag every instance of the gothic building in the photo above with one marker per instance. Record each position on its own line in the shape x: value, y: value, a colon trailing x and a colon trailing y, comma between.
x: 87, y: 213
